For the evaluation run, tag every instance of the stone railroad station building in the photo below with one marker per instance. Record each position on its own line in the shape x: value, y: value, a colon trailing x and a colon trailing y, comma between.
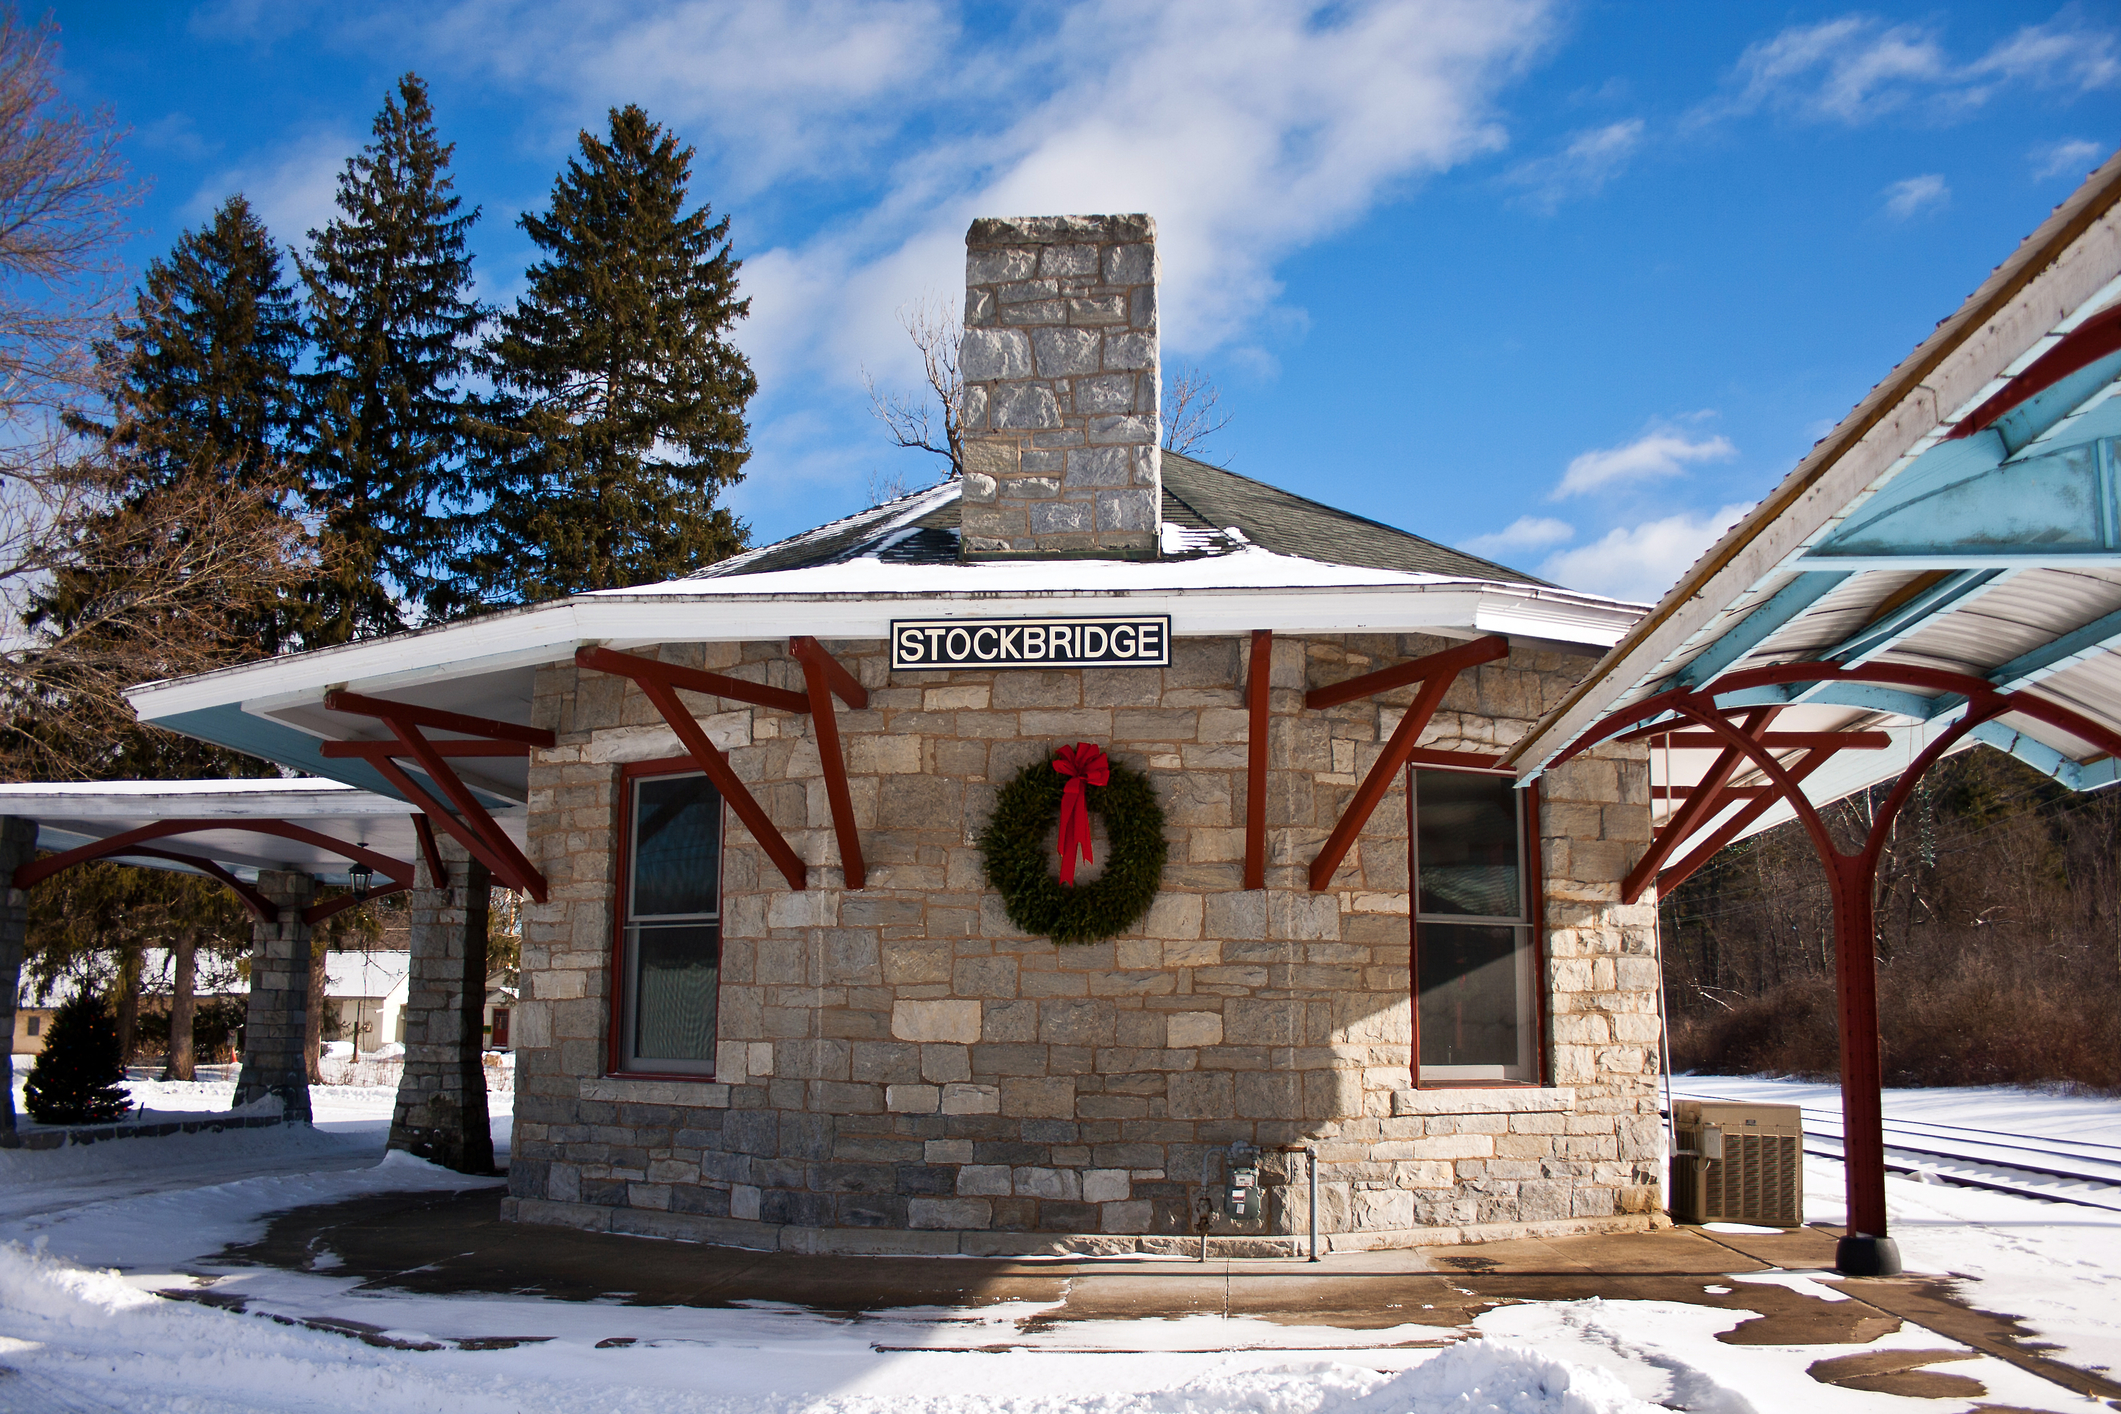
x: 771, y: 994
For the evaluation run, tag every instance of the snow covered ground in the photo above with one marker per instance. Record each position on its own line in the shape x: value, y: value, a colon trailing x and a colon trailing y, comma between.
x: 87, y: 1233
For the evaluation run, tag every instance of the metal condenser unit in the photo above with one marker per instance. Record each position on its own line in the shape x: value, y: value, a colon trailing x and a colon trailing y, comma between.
x: 1737, y: 1164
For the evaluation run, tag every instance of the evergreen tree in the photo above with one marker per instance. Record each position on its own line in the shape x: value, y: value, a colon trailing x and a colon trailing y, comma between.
x: 203, y: 374
x: 77, y: 1077
x: 392, y: 318
x: 618, y: 413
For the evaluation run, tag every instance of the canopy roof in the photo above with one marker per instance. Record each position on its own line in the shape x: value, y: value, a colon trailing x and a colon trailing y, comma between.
x: 1957, y: 535
x: 1238, y: 555
x: 223, y: 815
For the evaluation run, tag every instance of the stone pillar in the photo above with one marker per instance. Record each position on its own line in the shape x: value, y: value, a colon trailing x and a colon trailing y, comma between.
x: 441, y: 1113
x: 277, y: 1023
x: 1062, y: 388
x: 18, y: 845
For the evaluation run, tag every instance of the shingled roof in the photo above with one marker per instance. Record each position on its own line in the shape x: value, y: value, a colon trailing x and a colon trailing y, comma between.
x: 1207, y: 501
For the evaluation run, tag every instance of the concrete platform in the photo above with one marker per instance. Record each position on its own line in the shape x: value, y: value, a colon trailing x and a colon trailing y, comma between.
x: 453, y: 1244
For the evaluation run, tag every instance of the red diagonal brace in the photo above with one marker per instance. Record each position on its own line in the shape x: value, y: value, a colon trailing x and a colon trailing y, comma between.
x: 470, y: 824
x: 1399, y: 748
x: 260, y: 907
x: 1706, y: 800
x: 821, y: 674
x: 1677, y: 874
x: 1450, y: 662
x: 632, y: 665
x: 703, y: 752
x: 437, y: 871
x: 1256, y: 760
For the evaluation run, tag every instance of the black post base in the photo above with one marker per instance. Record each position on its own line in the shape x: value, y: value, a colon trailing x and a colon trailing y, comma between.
x: 1861, y: 1255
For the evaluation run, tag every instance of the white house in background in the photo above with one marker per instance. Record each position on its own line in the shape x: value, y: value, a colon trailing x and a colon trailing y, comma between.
x: 369, y: 990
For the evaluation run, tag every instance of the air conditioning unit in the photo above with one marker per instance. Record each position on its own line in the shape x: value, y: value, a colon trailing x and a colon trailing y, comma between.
x: 1737, y: 1164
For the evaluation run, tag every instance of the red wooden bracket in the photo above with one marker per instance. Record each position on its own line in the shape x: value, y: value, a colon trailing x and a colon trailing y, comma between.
x: 1451, y: 661
x: 369, y: 750
x: 822, y: 675
x: 659, y: 685
x: 1256, y: 760
x: 258, y: 905
x: 1435, y: 673
x: 1773, y: 741
x: 469, y: 824
x: 1672, y: 878
x: 437, y: 871
x: 632, y: 665
x: 1729, y: 792
x: 1701, y: 805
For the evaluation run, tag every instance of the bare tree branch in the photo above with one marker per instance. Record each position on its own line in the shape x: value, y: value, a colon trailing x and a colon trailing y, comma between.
x: 932, y: 421
x: 1191, y: 411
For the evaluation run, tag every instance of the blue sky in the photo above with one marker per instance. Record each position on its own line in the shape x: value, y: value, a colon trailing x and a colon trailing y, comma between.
x: 1569, y: 285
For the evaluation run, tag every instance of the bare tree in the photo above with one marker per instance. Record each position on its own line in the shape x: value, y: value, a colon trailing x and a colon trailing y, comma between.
x: 933, y: 421
x: 1192, y: 411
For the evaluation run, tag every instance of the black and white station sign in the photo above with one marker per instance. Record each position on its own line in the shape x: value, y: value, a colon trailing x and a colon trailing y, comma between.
x: 1133, y: 641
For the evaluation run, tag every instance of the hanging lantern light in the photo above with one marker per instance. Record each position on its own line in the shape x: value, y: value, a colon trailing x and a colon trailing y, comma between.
x: 361, y: 876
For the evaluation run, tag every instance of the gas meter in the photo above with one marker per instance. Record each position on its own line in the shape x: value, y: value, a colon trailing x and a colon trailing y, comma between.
x: 1243, y: 1197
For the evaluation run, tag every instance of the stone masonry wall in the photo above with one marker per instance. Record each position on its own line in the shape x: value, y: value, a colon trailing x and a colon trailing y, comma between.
x: 901, y: 1070
x: 1062, y: 386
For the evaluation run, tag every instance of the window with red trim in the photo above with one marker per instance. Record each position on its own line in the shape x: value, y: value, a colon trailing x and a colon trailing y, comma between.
x: 1475, y: 979
x: 669, y: 947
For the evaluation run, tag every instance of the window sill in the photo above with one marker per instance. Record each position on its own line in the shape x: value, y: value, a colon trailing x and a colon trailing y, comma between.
x: 657, y: 1090
x: 1487, y: 1098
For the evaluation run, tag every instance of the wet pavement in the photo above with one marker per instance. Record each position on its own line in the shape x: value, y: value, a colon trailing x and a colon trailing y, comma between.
x: 456, y: 1244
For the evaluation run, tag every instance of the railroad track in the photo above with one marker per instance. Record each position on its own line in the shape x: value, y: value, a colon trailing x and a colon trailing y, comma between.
x: 2086, y: 1173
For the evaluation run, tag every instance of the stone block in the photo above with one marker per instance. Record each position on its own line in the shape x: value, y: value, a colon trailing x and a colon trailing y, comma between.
x: 1186, y: 1029
x: 912, y: 1099
x: 964, y: 1099
x: 953, y: 1021
x: 974, y: 1213
x: 984, y: 1180
x: 1106, y: 1185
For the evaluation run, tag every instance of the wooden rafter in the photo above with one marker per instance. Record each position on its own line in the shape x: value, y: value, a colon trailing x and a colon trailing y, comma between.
x: 1677, y: 874
x: 660, y: 683
x: 464, y: 818
x: 1435, y: 672
x: 823, y: 676
x: 1773, y: 741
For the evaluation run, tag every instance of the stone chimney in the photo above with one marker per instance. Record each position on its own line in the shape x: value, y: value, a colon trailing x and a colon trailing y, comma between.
x: 1062, y: 385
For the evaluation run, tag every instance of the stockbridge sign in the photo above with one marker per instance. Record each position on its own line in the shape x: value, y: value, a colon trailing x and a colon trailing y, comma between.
x: 1134, y: 641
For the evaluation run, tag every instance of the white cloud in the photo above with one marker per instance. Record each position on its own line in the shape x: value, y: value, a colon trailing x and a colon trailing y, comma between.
x: 1248, y: 128
x: 1591, y: 159
x: 293, y: 188
x: 1523, y: 533
x: 1641, y: 562
x: 1856, y: 69
x: 1915, y: 195
x: 2070, y: 157
x: 1661, y: 452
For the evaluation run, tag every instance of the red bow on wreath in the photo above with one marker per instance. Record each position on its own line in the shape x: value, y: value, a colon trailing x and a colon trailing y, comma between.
x: 1084, y: 765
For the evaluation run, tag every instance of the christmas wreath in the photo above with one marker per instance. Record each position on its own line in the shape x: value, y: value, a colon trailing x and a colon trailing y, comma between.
x: 1081, y: 779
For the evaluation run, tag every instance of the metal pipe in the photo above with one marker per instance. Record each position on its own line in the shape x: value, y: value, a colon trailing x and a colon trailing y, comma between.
x: 1311, y: 1167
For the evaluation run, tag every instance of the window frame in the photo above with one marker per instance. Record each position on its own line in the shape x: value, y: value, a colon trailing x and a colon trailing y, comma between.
x: 620, y: 980
x: 1532, y: 970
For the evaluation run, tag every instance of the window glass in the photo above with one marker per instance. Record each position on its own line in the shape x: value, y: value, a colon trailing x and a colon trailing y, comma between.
x: 672, y: 950
x: 1466, y: 832
x: 1473, y: 975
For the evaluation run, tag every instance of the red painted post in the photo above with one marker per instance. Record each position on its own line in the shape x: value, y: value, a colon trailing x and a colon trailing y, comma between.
x: 1867, y: 1250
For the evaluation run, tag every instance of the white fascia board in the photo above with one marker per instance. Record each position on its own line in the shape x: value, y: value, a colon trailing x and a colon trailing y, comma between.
x: 551, y: 634
x: 64, y: 803
x: 1762, y: 545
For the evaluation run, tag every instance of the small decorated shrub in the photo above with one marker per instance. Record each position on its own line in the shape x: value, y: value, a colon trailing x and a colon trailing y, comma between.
x: 77, y: 1078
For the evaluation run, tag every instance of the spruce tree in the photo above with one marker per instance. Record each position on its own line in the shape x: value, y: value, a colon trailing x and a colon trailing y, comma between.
x: 618, y: 413
x: 204, y: 371
x: 392, y: 318
x: 77, y: 1078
